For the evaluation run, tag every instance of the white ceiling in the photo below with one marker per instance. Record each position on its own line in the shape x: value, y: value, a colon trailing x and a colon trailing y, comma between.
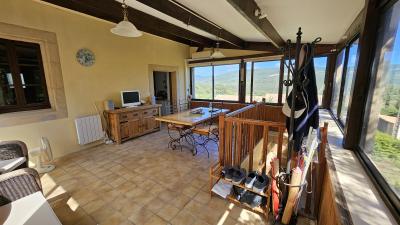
x: 148, y: 10
x: 328, y: 19
x: 224, y: 15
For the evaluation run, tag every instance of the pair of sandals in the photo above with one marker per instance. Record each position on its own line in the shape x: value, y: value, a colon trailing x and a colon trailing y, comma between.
x: 252, y: 180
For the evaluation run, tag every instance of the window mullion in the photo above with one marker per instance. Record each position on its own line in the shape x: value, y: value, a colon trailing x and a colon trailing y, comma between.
x: 13, y: 60
x: 343, y: 81
x: 251, y: 84
x: 213, y: 86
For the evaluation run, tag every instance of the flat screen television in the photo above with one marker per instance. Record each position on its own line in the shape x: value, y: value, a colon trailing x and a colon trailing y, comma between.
x: 130, y: 98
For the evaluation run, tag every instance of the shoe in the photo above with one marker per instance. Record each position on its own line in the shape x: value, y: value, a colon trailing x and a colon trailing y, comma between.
x: 251, y: 177
x: 238, y: 193
x: 238, y: 176
x: 227, y: 172
x: 260, y: 183
x: 254, y: 200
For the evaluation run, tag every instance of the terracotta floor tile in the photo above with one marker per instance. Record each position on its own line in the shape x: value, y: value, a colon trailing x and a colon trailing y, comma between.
x: 168, y: 212
x: 141, y: 216
x: 180, y: 201
x: 141, y: 182
x: 156, y: 220
x: 94, y: 205
x: 183, y: 218
x: 202, y: 197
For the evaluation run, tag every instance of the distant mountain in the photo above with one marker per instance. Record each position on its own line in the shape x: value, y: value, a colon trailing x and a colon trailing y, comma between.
x: 265, y: 81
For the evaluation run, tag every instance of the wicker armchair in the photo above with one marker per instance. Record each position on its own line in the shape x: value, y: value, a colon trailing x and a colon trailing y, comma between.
x: 18, y: 184
x: 14, y: 149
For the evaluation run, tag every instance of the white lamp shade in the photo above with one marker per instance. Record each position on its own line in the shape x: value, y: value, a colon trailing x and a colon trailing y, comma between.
x: 217, y: 54
x: 126, y: 29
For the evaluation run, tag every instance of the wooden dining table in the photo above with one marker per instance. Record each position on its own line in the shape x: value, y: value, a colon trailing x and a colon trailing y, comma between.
x: 184, y: 122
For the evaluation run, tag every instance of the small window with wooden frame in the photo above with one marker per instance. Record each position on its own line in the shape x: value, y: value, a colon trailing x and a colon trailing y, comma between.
x: 22, y: 79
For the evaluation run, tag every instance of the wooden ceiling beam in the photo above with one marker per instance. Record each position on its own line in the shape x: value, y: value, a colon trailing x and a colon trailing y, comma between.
x: 247, y: 8
x: 111, y: 11
x: 187, y: 16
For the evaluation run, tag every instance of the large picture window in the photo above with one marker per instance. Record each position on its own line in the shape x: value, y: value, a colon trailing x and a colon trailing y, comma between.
x: 337, y: 81
x: 320, y: 73
x: 202, y: 82
x: 219, y: 82
x: 226, y: 82
x: 380, y: 139
x: 262, y: 81
x: 22, y: 81
x: 343, y: 81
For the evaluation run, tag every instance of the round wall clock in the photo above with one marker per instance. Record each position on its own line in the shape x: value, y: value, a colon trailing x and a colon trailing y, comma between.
x: 85, y: 57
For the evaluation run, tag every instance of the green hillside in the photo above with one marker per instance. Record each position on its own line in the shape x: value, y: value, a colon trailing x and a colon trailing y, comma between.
x: 265, y: 81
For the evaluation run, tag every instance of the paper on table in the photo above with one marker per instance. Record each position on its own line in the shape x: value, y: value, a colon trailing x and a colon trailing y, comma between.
x: 222, y: 189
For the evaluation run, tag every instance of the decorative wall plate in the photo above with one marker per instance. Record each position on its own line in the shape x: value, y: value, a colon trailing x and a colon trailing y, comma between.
x: 85, y: 57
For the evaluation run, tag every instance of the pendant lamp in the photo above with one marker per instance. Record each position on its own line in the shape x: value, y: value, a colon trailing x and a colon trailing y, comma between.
x: 217, y: 54
x: 125, y: 28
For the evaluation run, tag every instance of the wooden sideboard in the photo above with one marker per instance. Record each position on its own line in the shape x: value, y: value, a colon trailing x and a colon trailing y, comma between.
x: 128, y: 123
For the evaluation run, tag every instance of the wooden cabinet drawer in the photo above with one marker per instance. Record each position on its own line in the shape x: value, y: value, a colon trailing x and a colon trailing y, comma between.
x: 150, y: 112
x: 133, y: 115
x: 123, y: 117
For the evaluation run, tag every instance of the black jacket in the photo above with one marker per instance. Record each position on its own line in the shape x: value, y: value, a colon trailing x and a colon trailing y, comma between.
x: 310, y: 117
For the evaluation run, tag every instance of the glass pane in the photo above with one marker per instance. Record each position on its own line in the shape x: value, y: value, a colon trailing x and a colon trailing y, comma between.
x: 7, y: 90
x: 226, y: 82
x: 266, y: 81
x: 31, y: 79
x: 248, y: 81
x: 381, y: 130
x: 202, y: 82
x: 350, y: 74
x: 31, y: 73
x: 27, y: 54
x: 337, y: 81
x: 320, y: 71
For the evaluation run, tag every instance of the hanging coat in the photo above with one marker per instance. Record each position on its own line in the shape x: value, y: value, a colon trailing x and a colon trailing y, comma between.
x: 310, y: 117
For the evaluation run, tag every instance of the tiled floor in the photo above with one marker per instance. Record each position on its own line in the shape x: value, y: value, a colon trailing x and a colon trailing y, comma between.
x: 140, y: 182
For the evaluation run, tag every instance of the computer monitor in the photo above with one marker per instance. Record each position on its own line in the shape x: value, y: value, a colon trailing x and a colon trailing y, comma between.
x: 130, y: 98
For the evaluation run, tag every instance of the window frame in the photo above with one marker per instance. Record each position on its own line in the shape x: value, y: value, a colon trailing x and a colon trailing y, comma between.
x: 280, y: 91
x: 18, y: 87
x: 243, y: 79
x: 336, y: 117
x: 213, y: 83
x: 388, y: 195
x: 352, y: 131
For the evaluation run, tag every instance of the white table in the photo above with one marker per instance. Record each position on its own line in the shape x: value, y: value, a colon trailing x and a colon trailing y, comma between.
x: 29, y: 210
x: 10, y: 164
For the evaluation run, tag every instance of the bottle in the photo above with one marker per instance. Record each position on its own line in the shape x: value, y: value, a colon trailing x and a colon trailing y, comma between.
x: 210, y: 107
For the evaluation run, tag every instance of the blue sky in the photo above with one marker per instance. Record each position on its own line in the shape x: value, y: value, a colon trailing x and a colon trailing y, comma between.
x: 395, y: 54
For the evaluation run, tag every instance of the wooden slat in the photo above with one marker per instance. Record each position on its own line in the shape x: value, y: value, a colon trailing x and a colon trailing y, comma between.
x: 251, y: 146
x: 265, y: 146
x: 221, y: 146
x: 229, y: 143
x: 239, y: 138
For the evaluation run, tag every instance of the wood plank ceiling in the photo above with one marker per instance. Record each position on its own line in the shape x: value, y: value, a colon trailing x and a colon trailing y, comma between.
x: 110, y: 10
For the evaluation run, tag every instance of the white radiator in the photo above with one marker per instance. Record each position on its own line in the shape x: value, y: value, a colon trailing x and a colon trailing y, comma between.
x: 88, y: 129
